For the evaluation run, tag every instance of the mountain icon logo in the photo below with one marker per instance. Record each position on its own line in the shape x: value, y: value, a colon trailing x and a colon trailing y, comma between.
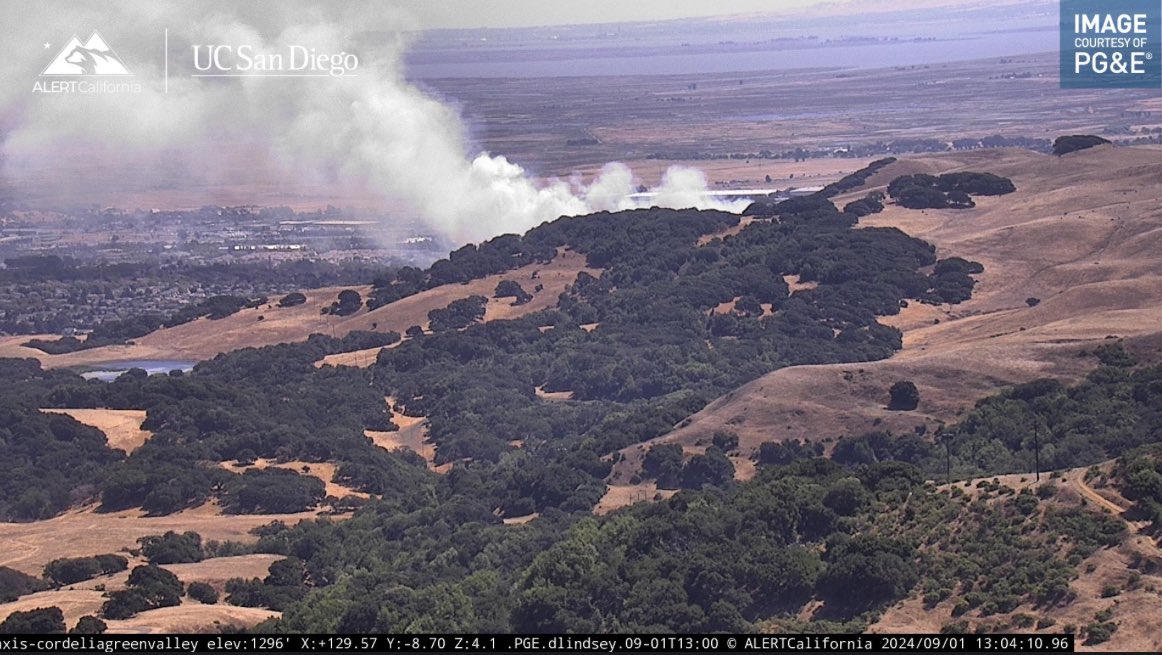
x: 94, y: 57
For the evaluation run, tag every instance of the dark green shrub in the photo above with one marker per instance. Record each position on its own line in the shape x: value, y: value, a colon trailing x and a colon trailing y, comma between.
x: 39, y: 621
x: 202, y: 592
x: 89, y: 625
x: 1064, y: 145
x: 904, y: 396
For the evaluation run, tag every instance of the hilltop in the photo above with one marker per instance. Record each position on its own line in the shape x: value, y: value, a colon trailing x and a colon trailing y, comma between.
x: 1082, y: 234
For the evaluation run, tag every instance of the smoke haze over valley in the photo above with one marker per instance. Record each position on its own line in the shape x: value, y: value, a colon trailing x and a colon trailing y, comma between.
x: 370, y: 136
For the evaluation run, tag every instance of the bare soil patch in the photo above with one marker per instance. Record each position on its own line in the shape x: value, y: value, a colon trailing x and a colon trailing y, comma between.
x: 412, y: 435
x: 793, y: 283
x: 553, y: 395
x: 521, y: 520
x: 623, y: 495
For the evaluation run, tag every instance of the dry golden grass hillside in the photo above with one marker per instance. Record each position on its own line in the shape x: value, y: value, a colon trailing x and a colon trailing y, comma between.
x: 204, y: 338
x: 1082, y: 233
x: 122, y: 427
x: 86, y: 598
x: 27, y: 547
x: 1125, y: 580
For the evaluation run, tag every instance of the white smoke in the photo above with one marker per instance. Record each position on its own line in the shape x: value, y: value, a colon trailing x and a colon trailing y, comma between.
x: 374, y: 136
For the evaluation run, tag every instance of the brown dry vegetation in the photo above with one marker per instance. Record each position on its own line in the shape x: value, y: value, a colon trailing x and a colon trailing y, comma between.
x: 624, y: 495
x: 191, y: 617
x: 204, y: 338
x: 412, y: 435
x: 122, y: 427
x: 215, y: 571
x: 553, y: 395
x: 28, y: 547
x: 73, y: 603
x: 86, y: 598
x: 324, y: 471
x: 1083, y: 233
x: 520, y: 520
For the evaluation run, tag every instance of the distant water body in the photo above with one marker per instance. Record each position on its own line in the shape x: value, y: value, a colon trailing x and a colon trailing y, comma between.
x: 114, y: 370
x: 672, y: 61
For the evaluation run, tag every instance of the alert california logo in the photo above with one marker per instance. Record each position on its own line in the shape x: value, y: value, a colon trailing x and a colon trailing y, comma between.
x: 88, y: 67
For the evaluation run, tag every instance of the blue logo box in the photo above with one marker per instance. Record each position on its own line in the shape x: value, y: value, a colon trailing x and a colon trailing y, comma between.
x: 1111, y: 44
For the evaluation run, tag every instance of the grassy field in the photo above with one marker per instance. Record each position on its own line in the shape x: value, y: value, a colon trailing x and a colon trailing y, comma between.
x: 28, y: 547
x: 122, y: 427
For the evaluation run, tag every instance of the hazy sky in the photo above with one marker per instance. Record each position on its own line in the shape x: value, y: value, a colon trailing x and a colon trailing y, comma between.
x: 521, y: 13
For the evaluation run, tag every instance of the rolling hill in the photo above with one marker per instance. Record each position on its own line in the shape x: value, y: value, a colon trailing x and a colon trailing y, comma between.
x: 252, y: 328
x: 1082, y: 234
x: 639, y: 337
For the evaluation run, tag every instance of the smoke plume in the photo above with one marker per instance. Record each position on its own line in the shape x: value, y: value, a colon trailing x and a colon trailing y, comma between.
x: 372, y: 134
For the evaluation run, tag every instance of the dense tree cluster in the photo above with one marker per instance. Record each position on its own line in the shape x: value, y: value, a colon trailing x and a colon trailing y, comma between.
x: 271, y: 403
x: 471, y: 262
x: 512, y: 289
x: 202, y: 592
x: 785, y: 452
x: 872, y: 203
x: 14, y: 584
x: 292, y: 299
x: 952, y: 190
x: 854, y: 180
x: 172, y: 548
x: 458, y: 315
x: 39, y: 621
x: 1139, y: 475
x: 149, y: 587
x: 708, y: 560
x: 89, y: 625
x: 1113, y: 411
x: 666, y: 464
x: 348, y: 302
x: 287, y: 582
x: 662, y: 350
x: 214, y: 308
x: 1064, y: 145
x: 904, y: 396
x: 69, y: 570
x: 272, y: 491
x: 52, y: 461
